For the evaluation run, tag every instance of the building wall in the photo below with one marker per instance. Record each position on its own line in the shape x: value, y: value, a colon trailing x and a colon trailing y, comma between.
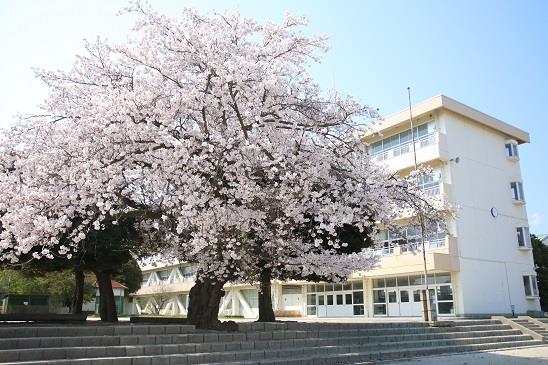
x: 491, y: 264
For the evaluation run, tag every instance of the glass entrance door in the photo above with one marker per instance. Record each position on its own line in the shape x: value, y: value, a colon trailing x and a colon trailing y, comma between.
x: 336, y: 299
x: 400, y: 296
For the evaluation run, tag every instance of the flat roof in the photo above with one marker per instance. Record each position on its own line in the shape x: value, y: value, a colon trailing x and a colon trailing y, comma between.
x: 445, y: 102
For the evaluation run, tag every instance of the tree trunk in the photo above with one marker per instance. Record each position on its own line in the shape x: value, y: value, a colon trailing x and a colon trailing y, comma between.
x: 203, y: 306
x: 266, y: 312
x: 107, y: 304
x: 78, y: 299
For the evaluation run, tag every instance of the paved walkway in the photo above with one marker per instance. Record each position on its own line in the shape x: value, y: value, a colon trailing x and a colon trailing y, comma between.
x: 522, y: 356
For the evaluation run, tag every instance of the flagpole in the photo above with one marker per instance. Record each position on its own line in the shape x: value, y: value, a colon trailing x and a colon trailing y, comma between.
x: 428, y: 316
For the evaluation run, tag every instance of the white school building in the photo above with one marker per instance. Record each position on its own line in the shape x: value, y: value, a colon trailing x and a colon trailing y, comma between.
x: 482, y: 266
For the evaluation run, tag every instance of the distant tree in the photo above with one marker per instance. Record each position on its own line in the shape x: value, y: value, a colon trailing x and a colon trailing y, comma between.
x: 540, y: 254
x: 108, y: 253
x: 13, y: 282
x: 161, y: 297
x: 130, y: 275
x: 58, y: 285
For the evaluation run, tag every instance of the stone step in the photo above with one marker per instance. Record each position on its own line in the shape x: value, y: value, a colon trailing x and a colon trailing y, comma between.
x: 362, y: 357
x: 73, y: 350
x: 267, y: 349
x: 256, y: 326
x: 244, y: 358
x: 10, y: 331
x: 533, y: 327
x: 93, y: 330
x: 46, y: 342
x: 73, y: 341
x: 140, y: 331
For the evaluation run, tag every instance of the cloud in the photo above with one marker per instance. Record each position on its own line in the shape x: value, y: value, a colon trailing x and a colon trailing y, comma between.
x: 535, y: 219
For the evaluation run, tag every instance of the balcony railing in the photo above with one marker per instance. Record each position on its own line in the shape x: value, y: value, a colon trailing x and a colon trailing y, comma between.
x: 403, y: 149
x: 429, y: 244
x: 431, y: 190
x: 409, y: 245
x: 183, y: 279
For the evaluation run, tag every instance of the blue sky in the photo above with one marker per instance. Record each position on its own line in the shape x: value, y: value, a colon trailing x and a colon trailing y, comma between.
x: 491, y: 55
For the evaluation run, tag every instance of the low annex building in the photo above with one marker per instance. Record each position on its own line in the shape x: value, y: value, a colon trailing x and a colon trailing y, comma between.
x: 482, y: 266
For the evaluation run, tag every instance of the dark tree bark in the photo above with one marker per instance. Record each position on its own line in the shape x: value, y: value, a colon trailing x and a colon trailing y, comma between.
x: 107, y: 304
x: 78, y: 299
x: 266, y: 312
x: 203, y: 306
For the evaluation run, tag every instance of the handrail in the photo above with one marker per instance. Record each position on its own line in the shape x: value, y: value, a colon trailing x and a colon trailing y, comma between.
x: 409, y: 143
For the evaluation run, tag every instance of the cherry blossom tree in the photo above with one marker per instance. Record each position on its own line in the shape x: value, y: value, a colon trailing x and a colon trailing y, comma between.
x: 211, y: 134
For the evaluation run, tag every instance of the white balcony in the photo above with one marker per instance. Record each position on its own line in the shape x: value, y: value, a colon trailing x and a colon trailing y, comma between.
x: 441, y: 255
x: 428, y: 148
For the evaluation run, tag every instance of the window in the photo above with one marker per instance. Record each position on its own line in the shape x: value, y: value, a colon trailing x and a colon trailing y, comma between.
x: 291, y: 289
x: 400, y: 142
x: 321, y: 299
x: 524, y: 239
x: 511, y: 150
x: 527, y: 285
x: 430, y: 183
x: 517, y: 191
x: 391, y: 282
x: 340, y: 299
x: 404, y: 296
x: 378, y: 283
x: 409, y: 239
x: 186, y: 271
x: 443, y: 278
x: 403, y: 281
x: 392, y: 298
x: 416, y: 296
x: 330, y: 300
x: 348, y: 298
x: 445, y: 292
x: 446, y: 308
x: 530, y: 285
x: 416, y: 280
x: 358, y: 297
x: 163, y: 275
x: 359, y: 310
x: 145, y: 278
x: 379, y: 296
x: 379, y: 309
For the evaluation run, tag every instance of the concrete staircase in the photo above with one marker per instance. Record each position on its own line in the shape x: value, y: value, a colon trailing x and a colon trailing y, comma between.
x: 534, y: 325
x: 256, y: 343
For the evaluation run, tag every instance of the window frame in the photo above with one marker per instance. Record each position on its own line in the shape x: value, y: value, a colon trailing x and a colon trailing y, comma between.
x: 516, y: 188
x: 523, y: 237
x: 511, y: 150
x: 530, y: 285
